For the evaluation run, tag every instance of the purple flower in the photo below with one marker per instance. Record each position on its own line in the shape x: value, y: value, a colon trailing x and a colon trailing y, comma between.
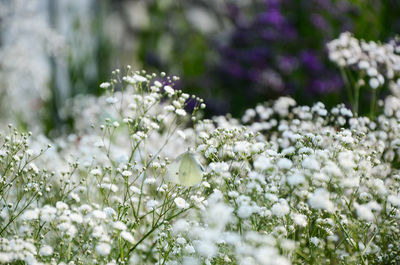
x: 287, y: 64
x: 280, y: 50
x: 327, y: 85
x: 311, y: 61
x: 272, y: 16
x: 319, y: 22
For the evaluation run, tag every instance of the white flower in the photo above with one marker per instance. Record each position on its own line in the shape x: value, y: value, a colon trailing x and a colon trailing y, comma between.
x: 374, y: 83
x: 45, y: 250
x: 281, y: 208
x: 315, y: 240
x: 34, y: 168
x: 206, y: 249
x: 103, y: 249
x: 363, y: 64
x: 135, y: 189
x: 62, y: 206
x: 30, y: 214
x: 169, y: 108
x: 75, y: 196
x: 331, y: 169
x: 320, y: 200
x: 244, y: 211
x: 105, y: 85
x: 169, y: 90
x: 284, y: 163
x: 140, y: 78
x: 295, y: 179
x: 180, y: 226
x: 364, y: 212
x: 157, y: 84
x: 190, y: 261
x: 118, y: 225
x: 5, y: 257
x: 109, y: 186
x: 218, y: 214
x: 189, y: 249
x: 262, y: 163
x: 180, y: 112
x: 181, y: 203
x: 282, y: 105
x: 111, y: 100
x: 219, y: 167
x: 310, y: 163
x: 126, y: 173
x: 152, y: 204
x: 99, y: 214
x: 300, y: 219
x: 394, y: 200
x: 346, y: 160
x: 379, y: 186
x: 127, y: 236
x: 210, y: 152
x: 95, y: 172
x: 242, y: 147
x: 181, y: 240
x: 76, y: 217
x: 372, y: 71
x: 181, y: 134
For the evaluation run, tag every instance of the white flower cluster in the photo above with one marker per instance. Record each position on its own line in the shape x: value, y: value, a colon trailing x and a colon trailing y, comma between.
x: 286, y: 184
x: 298, y: 168
x: 17, y: 249
x: 377, y: 63
x: 206, y: 238
x: 104, y: 190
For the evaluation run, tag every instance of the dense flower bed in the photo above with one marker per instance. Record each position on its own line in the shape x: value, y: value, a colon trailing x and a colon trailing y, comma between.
x: 285, y: 184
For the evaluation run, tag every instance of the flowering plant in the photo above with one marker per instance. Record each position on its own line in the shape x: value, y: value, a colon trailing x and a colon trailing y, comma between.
x: 285, y: 184
x: 368, y: 65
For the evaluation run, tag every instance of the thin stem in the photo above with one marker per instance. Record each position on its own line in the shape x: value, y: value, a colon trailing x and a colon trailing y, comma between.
x: 373, y: 104
x: 153, y: 229
x: 356, y: 92
x: 348, y: 86
x: 356, y: 98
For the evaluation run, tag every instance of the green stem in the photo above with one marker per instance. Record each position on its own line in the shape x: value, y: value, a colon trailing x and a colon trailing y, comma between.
x: 348, y: 86
x: 373, y: 104
x: 153, y: 229
x: 121, y: 249
x: 356, y: 99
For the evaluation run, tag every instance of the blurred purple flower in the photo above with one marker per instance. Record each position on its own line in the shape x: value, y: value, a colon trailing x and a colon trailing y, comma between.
x: 319, y: 22
x: 280, y: 50
x: 328, y: 85
x: 272, y: 16
x: 311, y: 61
x: 287, y: 64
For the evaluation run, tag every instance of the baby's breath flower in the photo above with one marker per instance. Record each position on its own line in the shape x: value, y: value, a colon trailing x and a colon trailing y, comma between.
x: 103, y: 249
x: 181, y: 203
x: 281, y: 208
x: 118, y: 225
x: 169, y: 90
x: 46, y: 250
x: 127, y: 236
x: 319, y: 199
x: 180, y: 112
x: 105, y: 85
x: 126, y: 173
x: 284, y: 163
